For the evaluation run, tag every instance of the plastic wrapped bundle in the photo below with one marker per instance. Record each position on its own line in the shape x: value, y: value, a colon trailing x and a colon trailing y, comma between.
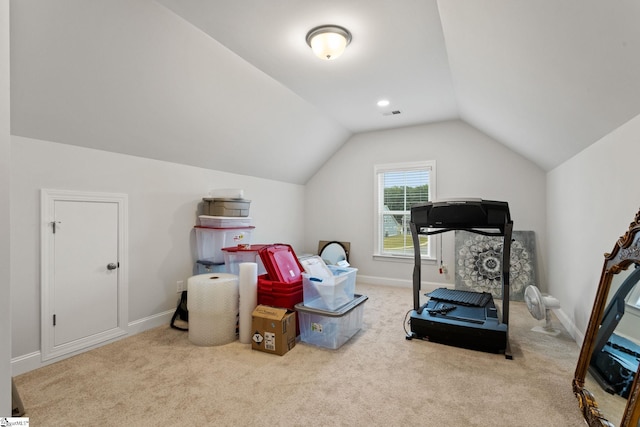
x: 248, y: 284
x: 213, y: 308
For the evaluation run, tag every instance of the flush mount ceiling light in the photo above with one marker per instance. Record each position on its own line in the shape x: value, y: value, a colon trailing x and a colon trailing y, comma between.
x: 328, y: 41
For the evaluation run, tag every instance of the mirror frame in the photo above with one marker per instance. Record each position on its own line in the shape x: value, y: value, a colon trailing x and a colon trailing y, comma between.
x: 346, y: 246
x: 626, y: 252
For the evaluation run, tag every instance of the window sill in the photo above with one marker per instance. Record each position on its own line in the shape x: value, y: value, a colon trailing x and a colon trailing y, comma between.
x: 632, y: 309
x: 402, y: 259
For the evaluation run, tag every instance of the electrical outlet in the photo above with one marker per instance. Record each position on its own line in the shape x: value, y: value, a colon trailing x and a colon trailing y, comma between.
x: 180, y: 285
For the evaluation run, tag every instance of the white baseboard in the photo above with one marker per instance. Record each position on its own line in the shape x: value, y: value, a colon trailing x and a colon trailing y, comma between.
x: 400, y: 283
x: 26, y: 363
x: 568, y: 324
x: 29, y: 362
x: 150, y: 322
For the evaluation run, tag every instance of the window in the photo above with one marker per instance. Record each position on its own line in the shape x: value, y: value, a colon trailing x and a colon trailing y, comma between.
x: 398, y: 187
x: 634, y: 297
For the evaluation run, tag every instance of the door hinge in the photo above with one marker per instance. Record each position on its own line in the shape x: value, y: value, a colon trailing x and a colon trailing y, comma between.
x: 54, y: 320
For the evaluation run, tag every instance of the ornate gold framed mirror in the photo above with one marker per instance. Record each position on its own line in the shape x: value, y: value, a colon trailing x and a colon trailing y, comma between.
x: 606, y: 377
x: 333, y: 251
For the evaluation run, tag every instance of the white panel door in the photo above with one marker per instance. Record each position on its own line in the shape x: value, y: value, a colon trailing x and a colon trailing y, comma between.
x: 85, y: 277
x: 83, y: 292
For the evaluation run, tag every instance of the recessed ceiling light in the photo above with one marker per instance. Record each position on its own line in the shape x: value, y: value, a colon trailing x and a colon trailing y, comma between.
x: 383, y: 103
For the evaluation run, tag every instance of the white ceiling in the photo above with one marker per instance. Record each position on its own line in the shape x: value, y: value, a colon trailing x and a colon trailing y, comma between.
x: 397, y: 52
x: 232, y: 86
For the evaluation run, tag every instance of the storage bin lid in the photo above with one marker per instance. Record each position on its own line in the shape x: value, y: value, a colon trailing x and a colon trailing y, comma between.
x: 341, y: 311
x: 281, y: 263
x: 208, y: 263
x: 219, y: 199
x: 248, y: 227
x: 244, y: 248
x: 226, y: 218
x: 315, y: 266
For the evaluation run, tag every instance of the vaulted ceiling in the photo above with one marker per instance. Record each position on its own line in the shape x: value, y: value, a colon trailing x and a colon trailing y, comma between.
x: 232, y: 86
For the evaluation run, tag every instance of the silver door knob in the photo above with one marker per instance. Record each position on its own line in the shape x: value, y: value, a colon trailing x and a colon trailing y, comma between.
x: 112, y: 266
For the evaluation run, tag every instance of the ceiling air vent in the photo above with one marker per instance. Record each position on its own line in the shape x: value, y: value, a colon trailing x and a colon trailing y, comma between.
x: 391, y: 113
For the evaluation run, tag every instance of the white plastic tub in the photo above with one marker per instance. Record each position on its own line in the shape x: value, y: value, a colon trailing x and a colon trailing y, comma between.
x: 224, y: 221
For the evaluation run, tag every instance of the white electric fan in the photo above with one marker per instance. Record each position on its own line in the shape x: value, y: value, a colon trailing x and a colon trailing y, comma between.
x: 540, y: 308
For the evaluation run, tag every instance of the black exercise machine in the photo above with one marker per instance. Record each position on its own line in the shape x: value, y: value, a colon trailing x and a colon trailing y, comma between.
x: 455, y: 317
x: 615, y: 358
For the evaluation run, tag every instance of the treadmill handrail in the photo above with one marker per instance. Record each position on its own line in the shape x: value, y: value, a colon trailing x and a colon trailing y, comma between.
x: 471, y: 230
x: 614, y: 311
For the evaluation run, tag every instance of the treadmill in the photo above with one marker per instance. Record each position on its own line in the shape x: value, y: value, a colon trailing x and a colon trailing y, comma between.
x: 615, y: 358
x: 461, y: 318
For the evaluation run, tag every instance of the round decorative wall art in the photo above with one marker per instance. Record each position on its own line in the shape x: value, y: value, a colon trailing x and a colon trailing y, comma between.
x: 479, y: 263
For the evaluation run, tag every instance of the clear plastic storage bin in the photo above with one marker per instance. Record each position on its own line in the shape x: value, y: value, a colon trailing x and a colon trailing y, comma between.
x: 331, y: 329
x: 329, y: 293
x: 235, y: 255
x: 210, y: 241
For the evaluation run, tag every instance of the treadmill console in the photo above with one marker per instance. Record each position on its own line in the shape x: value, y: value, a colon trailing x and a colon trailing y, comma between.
x: 461, y: 214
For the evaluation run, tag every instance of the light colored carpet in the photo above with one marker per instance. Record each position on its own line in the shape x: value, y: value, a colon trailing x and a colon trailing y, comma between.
x: 377, y: 378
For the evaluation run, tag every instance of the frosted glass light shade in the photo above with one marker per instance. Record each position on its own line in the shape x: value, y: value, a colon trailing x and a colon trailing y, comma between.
x: 329, y: 41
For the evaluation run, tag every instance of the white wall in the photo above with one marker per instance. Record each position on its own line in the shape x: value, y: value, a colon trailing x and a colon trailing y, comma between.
x: 5, y: 224
x: 163, y: 200
x: 339, y: 198
x: 591, y: 199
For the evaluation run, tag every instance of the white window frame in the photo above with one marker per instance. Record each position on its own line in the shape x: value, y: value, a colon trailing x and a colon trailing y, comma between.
x: 633, y: 302
x: 378, y: 209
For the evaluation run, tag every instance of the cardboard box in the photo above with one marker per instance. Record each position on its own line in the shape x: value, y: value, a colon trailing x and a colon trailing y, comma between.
x: 274, y: 329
